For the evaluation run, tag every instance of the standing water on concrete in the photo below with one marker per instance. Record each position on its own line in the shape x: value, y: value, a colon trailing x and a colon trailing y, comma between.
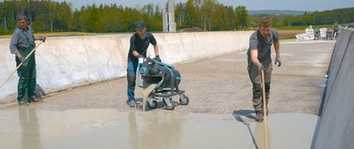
x: 27, y: 127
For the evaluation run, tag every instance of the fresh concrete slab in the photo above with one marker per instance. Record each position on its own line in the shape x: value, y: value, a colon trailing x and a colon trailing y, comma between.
x: 28, y: 127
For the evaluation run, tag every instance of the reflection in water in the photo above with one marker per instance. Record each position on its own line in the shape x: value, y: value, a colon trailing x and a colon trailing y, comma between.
x: 263, y: 135
x: 154, y: 130
x: 133, y: 130
x: 30, y: 128
x: 244, y: 116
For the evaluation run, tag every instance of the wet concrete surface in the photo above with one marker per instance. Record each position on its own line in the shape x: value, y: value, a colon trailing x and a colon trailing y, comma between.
x: 221, y: 85
x: 219, y: 114
x: 28, y: 127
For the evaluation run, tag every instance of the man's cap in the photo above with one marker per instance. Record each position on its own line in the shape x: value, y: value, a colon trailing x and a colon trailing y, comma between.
x: 21, y: 17
x: 139, y: 25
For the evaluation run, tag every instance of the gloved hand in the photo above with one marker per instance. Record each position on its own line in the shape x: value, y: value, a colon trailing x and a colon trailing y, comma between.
x: 140, y: 60
x: 22, y: 59
x: 277, y: 61
x: 261, y: 68
x: 157, y: 58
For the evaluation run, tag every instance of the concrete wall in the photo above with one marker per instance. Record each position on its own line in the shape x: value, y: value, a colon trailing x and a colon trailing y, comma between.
x: 64, y: 62
x: 335, y: 129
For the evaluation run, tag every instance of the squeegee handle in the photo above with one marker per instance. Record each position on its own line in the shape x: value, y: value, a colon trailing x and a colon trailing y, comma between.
x: 18, y: 66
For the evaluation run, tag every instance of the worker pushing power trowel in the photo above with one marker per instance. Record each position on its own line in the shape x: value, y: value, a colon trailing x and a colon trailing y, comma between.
x: 139, y: 43
x: 158, y: 80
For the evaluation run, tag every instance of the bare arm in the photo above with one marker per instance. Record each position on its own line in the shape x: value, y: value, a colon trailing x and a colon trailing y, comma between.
x: 156, y: 50
x: 254, y: 50
x: 42, y: 38
x: 154, y: 43
x: 277, y: 48
x: 254, y: 57
x: 136, y: 54
x: 277, y: 54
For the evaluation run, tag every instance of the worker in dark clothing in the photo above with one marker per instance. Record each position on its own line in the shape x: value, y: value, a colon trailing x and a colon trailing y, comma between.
x: 22, y: 43
x: 139, y: 43
x: 260, y: 59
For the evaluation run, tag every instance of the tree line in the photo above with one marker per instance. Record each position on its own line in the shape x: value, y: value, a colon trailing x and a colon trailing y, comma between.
x: 328, y: 17
x: 204, y: 15
x: 52, y: 16
x: 211, y: 15
x: 336, y: 16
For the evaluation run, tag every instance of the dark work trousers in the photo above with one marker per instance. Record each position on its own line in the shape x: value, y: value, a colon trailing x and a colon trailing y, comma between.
x: 131, y: 77
x: 27, y: 75
x: 255, y: 77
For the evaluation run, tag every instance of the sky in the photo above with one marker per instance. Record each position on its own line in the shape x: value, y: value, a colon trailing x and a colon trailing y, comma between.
x: 307, y: 5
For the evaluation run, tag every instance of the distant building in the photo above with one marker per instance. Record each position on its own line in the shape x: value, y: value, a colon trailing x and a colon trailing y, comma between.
x: 169, y: 24
x: 347, y: 25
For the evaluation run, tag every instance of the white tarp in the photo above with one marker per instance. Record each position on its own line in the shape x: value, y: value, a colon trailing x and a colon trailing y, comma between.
x: 64, y: 62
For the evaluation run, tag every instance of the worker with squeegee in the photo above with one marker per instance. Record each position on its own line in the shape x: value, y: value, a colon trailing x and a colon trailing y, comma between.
x: 22, y: 44
x: 139, y: 43
x: 260, y: 61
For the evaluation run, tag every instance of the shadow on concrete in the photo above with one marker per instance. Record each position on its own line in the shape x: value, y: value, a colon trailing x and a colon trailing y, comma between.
x: 246, y: 117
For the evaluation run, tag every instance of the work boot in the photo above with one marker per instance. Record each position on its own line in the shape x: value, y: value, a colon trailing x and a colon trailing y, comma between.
x: 34, y: 99
x: 259, y: 116
x: 22, y: 102
x: 131, y: 103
